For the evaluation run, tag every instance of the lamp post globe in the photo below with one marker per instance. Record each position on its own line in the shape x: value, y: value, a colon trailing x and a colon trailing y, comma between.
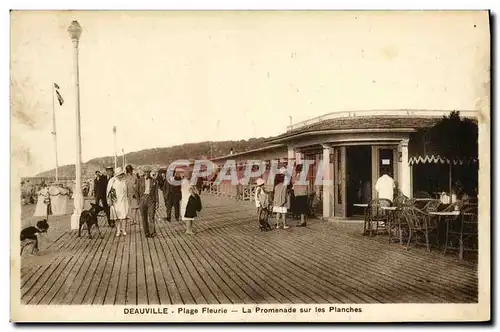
x: 75, y: 31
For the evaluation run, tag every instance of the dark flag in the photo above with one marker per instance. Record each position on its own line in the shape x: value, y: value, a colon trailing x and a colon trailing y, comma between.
x: 59, y: 97
x: 114, y: 130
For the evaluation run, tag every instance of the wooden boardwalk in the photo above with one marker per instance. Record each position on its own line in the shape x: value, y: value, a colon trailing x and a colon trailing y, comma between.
x: 230, y: 261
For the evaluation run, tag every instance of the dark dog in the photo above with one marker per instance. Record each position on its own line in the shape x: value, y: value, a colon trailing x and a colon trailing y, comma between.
x: 29, y: 235
x: 89, y: 218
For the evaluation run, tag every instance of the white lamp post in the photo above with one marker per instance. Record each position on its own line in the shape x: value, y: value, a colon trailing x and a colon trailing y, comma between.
x: 75, y: 31
x: 123, y: 155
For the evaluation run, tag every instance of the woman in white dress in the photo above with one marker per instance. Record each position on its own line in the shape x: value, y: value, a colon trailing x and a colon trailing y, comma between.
x: 133, y: 204
x: 43, y: 203
x: 118, y: 200
x: 58, y: 199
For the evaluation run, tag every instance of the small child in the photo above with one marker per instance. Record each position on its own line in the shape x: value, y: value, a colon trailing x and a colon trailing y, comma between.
x: 192, y: 208
x: 258, y: 192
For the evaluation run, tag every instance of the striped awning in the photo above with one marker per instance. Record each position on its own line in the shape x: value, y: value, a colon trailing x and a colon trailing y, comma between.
x: 442, y: 145
x: 437, y: 159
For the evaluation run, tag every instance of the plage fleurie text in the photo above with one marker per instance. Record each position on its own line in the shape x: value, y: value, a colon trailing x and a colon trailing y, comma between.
x: 244, y: 310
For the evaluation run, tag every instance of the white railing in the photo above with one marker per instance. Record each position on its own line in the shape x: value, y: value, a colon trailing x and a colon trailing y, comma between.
x: 229, y: 190
x: 348, y: 114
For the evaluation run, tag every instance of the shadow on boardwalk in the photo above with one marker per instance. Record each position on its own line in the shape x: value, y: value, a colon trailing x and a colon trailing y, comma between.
x: 230, y: 261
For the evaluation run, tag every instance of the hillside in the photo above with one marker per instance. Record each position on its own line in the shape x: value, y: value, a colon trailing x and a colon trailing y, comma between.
x: 161, y: 156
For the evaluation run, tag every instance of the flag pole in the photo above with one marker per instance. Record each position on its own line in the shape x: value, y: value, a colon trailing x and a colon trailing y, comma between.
x: 114, y: 139
x: 54, y: 130
x: 123, y: 155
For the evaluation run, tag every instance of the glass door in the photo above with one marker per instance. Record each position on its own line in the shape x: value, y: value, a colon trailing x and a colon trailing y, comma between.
x: 385, y: 159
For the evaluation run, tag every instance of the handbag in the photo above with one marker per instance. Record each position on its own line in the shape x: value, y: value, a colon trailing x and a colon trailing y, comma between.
x: 112, y: 195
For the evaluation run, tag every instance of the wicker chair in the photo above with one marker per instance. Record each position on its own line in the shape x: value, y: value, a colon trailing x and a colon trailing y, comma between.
x: 419, y: 224
x: 422, y: 194
x: 311, y: 205
x: 398, y: 221
x: 462, y: 232
x: 432, y: 206
x: 454, y: 206
x: 377, y: 220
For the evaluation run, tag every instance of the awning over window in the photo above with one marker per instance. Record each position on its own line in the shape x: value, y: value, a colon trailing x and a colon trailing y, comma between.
x: 451, y: 141
x: 432, y: 159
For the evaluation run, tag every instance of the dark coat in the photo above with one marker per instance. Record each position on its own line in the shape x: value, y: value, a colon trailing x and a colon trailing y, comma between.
x: 101, y: 186
x: 199, y: 184
x: 171, y: 191
x: 96, y: 184
x: 193, y: 206
x: 153, y: 190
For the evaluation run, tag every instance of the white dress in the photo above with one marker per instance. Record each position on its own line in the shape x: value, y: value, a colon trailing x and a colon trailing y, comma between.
x: 280, y: 209
x: 58, y: 200
x: 119, y: 208
x: 41, y: 205
x: 185, y: 185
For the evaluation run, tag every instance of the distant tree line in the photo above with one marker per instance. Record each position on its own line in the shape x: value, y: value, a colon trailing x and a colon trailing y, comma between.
x: 162, y: 156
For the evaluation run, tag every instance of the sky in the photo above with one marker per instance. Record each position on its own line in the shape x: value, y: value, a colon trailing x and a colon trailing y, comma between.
x: 168, y: 78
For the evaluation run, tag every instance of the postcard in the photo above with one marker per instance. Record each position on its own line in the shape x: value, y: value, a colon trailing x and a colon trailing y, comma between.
x: 250, y: 166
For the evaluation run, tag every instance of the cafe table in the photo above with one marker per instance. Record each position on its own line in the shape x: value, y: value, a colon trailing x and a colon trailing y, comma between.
x: 392, y: 214
x: 366, y: 225
x: 363, y: 205
x: 445, y: 213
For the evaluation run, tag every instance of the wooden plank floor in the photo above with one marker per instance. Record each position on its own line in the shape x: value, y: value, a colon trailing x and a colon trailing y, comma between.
x: 230, y: 261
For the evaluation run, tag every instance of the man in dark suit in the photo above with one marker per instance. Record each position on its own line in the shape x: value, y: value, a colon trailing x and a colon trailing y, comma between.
x: 172, y: 196
x: 96, y: 180
x: 147, y: 195
x: 100, y: 192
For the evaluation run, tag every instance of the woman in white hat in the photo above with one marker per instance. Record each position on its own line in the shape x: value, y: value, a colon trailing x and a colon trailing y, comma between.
x: 118, y: 200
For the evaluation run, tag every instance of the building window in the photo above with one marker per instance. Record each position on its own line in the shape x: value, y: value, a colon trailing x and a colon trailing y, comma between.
x: 386, y: 157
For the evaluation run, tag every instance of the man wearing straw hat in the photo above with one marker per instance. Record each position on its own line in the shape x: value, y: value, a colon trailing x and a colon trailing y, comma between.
x: 147, y: 195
